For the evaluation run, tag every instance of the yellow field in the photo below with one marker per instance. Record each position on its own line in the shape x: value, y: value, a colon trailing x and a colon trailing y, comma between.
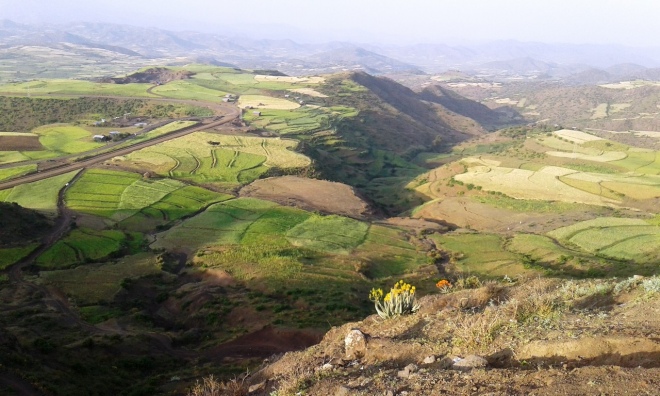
x: 17, y: 134
x: 525, y: 184
x: 607, y: 156
x: 600, y: 111
x: 293, y: 80
x: 630, y: 84
x: 309, y: 91
x: 278, y: 152
x: 266, y: 102
x: 576, y: 136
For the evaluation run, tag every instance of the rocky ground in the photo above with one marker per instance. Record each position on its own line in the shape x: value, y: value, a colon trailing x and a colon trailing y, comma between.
x: 522, y: 337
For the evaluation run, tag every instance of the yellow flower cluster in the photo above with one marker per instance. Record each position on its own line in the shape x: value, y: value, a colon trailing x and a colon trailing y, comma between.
x: 400, y: 287
x: 376, y: 294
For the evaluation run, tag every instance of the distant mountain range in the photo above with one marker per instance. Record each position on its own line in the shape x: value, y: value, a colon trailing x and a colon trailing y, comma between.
x: 500, y: 59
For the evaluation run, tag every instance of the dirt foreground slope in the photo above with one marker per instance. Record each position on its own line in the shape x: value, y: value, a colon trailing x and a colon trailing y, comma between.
x: 530, y: 337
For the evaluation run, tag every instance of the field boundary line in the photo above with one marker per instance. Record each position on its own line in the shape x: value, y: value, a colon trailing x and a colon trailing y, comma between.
x: 197, y: 161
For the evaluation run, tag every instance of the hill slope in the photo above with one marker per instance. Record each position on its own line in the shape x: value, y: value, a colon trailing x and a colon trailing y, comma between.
x: 545, y: 337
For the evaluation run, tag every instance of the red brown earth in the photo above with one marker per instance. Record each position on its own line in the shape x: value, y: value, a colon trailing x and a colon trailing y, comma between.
x: 20, y: 143
x: 310, y: 194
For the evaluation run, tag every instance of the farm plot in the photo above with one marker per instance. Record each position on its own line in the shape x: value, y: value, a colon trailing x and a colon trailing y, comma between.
x: 606, y: 156
x: 75, y: 87
x: 308, y: 91
x: 10, y: 173
x: 98, y: 191
x: 388, y: 253
x: 210, y: 158
x: 173, y: 206
x: 266, y: 102
x: 9, y: 256
x: 578, y: 137
x: 135, y: 203
x: 597, y: 239
x: 618, y: 238
x: 303, y: 120
x: 65, y: 139
x: 94, y: 283
x: 481, y: 254
x: 225, y: 223
x: 40, y: 195
x: 544, y: 184
x: 83, y: 245
x: 565, y: 233
x: 292, y: 80
x: 332, y: 234
x: 182, y: 89
x: 19, y: 141
x: 641, y: 161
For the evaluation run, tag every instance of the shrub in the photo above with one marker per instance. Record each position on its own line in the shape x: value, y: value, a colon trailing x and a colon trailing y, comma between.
x: 399, y: 301
x: 444, y: 286
x: 652, y: 284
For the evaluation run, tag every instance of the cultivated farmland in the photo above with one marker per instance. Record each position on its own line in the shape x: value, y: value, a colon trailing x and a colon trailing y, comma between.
x: 94, y: 283
x: 210, y: 158
x: 136, y: 203
x: 40, y: 195
x: 83, y: 245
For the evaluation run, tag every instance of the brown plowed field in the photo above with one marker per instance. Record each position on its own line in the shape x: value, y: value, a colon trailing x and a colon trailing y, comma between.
x: 20, y: 143
x: 310, y: 194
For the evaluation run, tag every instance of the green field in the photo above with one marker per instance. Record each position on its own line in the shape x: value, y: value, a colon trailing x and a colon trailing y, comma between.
x: 136, y: 203
x: 40, y: 195
x: 84, y: 245
x: 10, y: 173
x: 98, y: 283
x: 387, y: 253
x: 330, y: 234
x: 57, y: 140
x: 11, y: 255
x: 184, y: 89
x: 224, y: 223
x: 209, y: 158
x: 75, y: 87
x: 481, y: 254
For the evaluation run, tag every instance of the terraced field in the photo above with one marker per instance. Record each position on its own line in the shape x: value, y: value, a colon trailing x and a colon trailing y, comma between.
x: 9, y: 256
x: 482, y: 255
x: 41, y: 195
x: 618, y: 238
x: 84, y: 245
x: 210, y: 158
x: 98, y: 283
x: 136, y: 203
x: 561, y: 184
x: 57, y: 140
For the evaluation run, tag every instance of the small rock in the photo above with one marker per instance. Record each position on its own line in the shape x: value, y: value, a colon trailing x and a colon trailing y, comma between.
x: 409, y: 369
x: 356, y: 344
x: 327, y: 366
x: 470, y: 362
x: 342, y: 391
x: 256, y: 387
x: 429, y: 359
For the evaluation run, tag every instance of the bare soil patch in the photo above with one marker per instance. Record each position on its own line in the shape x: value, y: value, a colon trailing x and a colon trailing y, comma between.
x: 310, y: 194
x: 20, y: 143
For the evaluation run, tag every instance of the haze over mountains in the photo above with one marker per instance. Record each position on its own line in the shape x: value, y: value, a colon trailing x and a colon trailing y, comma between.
x: 103, y: 42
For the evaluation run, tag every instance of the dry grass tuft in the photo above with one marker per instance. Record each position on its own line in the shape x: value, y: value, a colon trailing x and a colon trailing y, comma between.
x: 210, y: 386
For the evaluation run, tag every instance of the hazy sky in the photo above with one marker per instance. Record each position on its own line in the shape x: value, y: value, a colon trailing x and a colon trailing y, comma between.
x: 631, y: 22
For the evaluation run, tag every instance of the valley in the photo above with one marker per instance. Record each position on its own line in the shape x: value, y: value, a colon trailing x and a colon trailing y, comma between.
x: 172, y: 222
